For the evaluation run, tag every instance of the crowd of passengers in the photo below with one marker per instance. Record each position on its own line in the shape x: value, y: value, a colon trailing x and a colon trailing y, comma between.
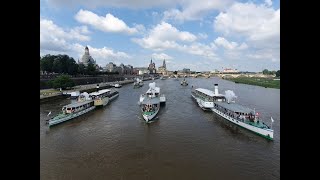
x: 236, y: 115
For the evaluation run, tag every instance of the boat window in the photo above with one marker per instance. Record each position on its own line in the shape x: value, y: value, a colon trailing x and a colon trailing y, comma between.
x: 69, y: 109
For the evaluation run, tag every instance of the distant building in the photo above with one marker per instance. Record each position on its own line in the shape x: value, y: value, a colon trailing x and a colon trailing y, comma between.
x: 111, y: 67
x: 230, y: 70
x: 122, y: 69
x: 141, y: 70
x: 163, y: 69
x: 86, y: 58
x: 152, y: 68
x: 185, y: 70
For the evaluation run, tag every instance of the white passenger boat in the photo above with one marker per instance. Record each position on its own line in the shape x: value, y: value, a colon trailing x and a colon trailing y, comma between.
x: 117, y: 85
x: 71, y: 111
x: 138, y: 83
x: 150, y: 102
x: 224, y: 106
x: 184, y: 82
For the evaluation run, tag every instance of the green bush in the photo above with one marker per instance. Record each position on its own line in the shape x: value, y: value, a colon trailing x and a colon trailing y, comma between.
x: 62, y: 82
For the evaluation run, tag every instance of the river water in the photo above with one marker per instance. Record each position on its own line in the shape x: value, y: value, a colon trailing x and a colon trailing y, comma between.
x: 184, y: 142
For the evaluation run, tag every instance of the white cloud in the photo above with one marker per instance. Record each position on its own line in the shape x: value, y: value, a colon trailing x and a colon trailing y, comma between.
x: 101, y: 55
x: 53, y: 37
x: 268, y: 2
x: 256, y: 22
x: 199, y: 49
x: 136, y: 4
x: 164, y: 36
x: 109, y: 23
x: 195, y: 10
x: 161, y: 56
x: 220, y: 41
x: 56, y: 40
x: 258, y: 25
x: 202, y: 35
x: 190, y: 9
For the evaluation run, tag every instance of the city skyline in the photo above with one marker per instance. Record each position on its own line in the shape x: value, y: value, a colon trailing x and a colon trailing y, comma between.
x: 201, y: 35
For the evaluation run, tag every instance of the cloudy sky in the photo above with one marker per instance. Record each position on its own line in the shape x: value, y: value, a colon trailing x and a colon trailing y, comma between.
x: 197, y: 34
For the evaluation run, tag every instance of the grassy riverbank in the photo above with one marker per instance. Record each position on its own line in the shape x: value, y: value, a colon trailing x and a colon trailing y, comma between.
x: 257, y: 81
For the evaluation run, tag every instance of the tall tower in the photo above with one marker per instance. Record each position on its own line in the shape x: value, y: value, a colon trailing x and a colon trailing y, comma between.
x: 86, y: 51
x: 164, y: 64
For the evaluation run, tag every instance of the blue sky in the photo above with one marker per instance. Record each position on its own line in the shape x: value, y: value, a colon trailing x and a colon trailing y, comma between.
x: 202, y: 35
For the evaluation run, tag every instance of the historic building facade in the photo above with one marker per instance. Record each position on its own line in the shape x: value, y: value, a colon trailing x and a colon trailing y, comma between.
x: 86, y: 58
x: 163, y: 69
x: 152, y: 68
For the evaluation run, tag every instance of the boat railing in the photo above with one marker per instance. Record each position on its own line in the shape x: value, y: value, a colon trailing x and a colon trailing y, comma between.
x: 245, y: 119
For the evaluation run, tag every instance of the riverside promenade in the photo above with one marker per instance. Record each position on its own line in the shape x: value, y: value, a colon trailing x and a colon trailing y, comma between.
x: 50, y: 94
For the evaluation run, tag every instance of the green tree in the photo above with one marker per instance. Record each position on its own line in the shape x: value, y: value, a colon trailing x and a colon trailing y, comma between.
x: 265, y: 71
x: 81, y: 69
x: 57, y: 65
x: 62, y: 82
x: 46, y: 62
x: 91, y: 69
x: 72, y: 66
x: 278, y: 73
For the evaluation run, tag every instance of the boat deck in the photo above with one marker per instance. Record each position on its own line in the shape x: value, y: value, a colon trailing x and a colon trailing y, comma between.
x: 234, y: 107
x: 59, y: 116
x: 148, y: 113
x: 257, y: 124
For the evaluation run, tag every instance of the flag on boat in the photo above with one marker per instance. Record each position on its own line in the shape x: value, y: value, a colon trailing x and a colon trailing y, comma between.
x: 272, y: 119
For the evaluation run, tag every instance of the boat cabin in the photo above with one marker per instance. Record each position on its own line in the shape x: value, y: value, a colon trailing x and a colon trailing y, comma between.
x: 76, y: 107
x: 208, y: 95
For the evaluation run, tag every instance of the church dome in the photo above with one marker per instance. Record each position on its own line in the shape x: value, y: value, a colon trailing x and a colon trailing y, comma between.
x: 86, y: 58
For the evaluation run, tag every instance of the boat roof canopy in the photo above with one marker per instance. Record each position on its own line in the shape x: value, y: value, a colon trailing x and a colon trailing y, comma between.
x: 156, y: 89
x: 209, y: 93
x: 234, y: 107
x: 99, y: 92
x: 77, y: 104
x: 151, y: 101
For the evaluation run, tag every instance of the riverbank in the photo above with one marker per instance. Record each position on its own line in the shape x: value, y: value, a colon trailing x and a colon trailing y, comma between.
x: 257, y: 81
x: 49, y: 94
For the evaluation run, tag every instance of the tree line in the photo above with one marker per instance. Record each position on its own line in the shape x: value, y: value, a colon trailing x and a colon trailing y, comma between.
x: 63, y: 64
x: 267, y: 72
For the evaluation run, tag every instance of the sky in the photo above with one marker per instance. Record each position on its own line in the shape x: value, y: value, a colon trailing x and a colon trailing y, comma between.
x: 202, y: 35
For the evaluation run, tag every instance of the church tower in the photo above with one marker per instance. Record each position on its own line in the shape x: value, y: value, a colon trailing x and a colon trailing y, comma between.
x: 164, y: 64
x: 86, y: 51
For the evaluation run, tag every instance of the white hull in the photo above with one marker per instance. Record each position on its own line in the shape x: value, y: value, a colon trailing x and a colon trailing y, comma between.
x: 203, y: 104
x: 113, y: 97
x: 265, y: 132
x: 54, y: 122
x: 148, y: 118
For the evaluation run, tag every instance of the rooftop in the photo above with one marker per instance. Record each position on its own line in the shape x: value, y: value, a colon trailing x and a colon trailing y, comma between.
x: 234, y: 107
x: 78, y: 104
x: 208, y: 92
x: 151, y: 101
x: 156, y: 89
x: 99, y: 92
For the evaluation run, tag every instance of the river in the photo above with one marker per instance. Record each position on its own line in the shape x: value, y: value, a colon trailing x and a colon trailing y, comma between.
x: 184, y: 142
